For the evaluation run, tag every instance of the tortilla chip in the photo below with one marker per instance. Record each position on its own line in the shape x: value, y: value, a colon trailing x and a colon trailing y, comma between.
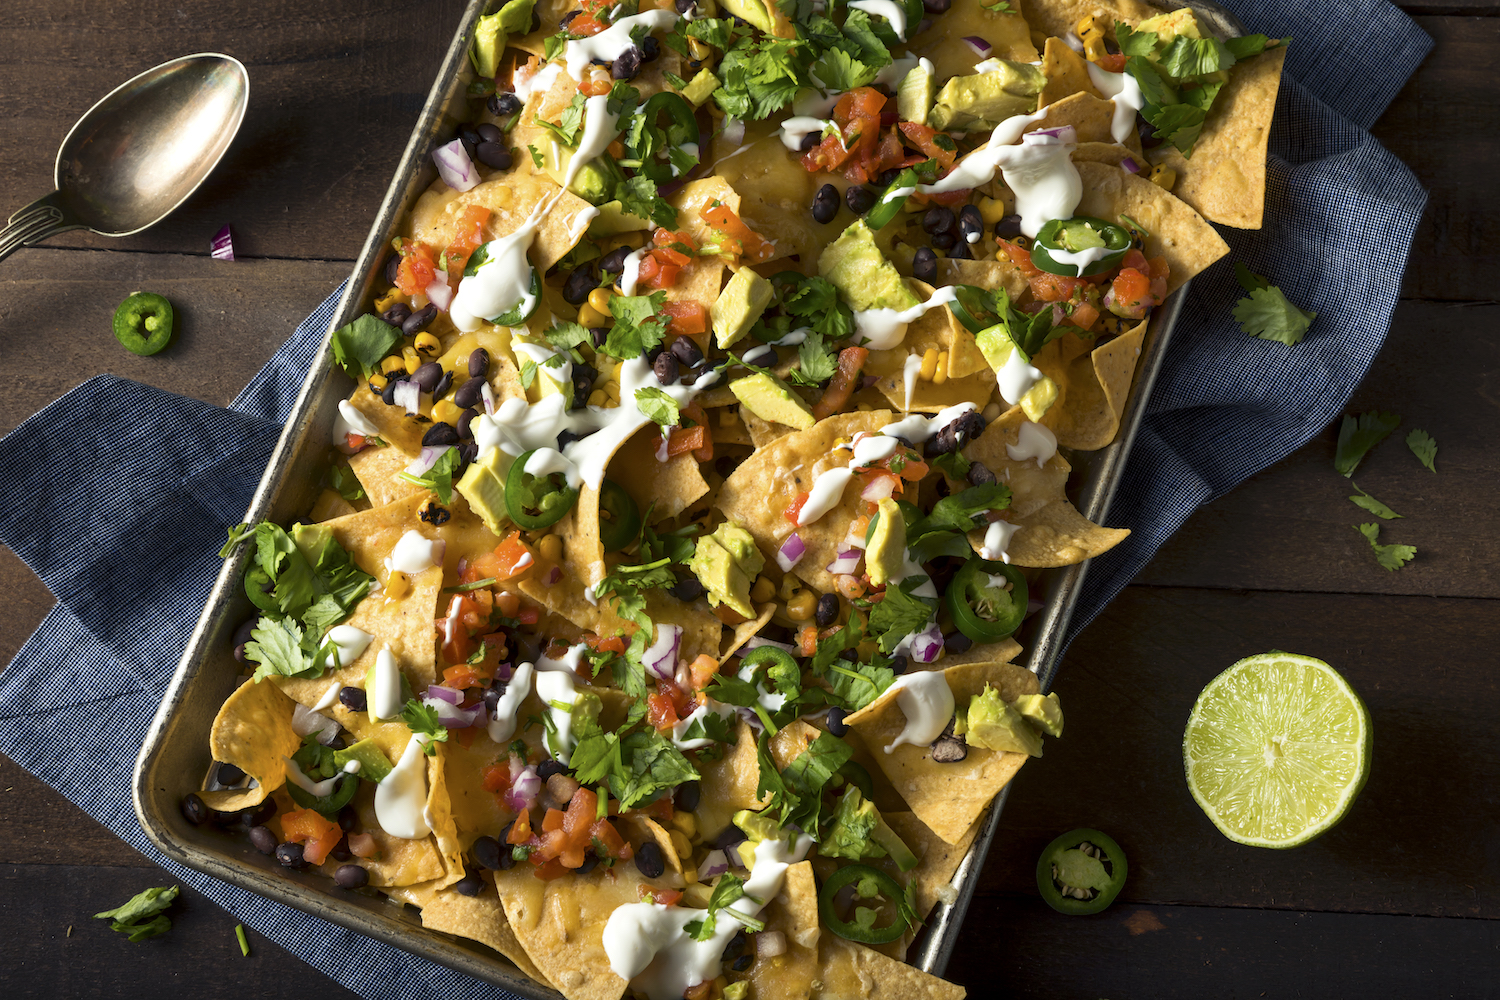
x: 729, y: 783
x: 762, y: 432
x: 989, y: 273
x: 1226, y: 178
x: 561, y: 926
x: 379, y: 472
x: 1004, y: 651
x: 930, y: 397
x: 744, y: 631
x: 1106, y: 152
x: 849, y: 971
x: 1177, y: 232
x: 775, y: 194
x: 795, y: 914
x: 476, y: 811
x: 947, y: 797
x: 937, y: 860
x: 550, y: 12
x: 1099, y: 387
x: 440, y: 815
x: 1008, y: 34
x: 253, y: 731
x: 648, y: 827
x: 1067, y: 73
x: 511, y: 198
x: 1058, y: 17
x: 328, y: 506
x: 1057, y: 535
x: 399, y: 861
x: 478, y: 918
x: 694, y: 198
x: 393, y: 422
x: 664, y: 488
x: 1093, y: 117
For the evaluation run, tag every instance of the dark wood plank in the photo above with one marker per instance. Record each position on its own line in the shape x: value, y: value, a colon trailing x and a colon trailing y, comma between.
x: 40, y: 827
x: 335, y: 90
x: 199, y: 957
x: 1016, y: 948
x: 27, y: 602
x: 1291, y: 526
x: 1418, y: 840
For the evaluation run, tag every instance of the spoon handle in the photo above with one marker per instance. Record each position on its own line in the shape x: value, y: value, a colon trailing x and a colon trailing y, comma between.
x: 36, y: 222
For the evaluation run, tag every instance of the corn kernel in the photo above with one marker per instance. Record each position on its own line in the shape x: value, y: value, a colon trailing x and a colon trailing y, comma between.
x: 1091, y: 25
x: 612, y: 390
x: 390, y: 298
x: 699, y: 50
x: 763, y: 590
x: 392, y: 364
x: 411, y: 359
x: 863, y: 407
x: 428, y: 344
x: 681, y: 844
x: 378, y: 380
x: 447, y: 411
x: 597, y: 397
x: 550, y: 548
x: 801, y: 607
x: 599, y: 299
x: 589, y: 316
x: 686, y: 822
x: 789, y: 586
x: 991, y: 210
x: 397, y: 585
x: 940, y: 374
x: 929, y: 365
x: 1094, y: 50
x: 1163, y: 176
x: 992, y: 413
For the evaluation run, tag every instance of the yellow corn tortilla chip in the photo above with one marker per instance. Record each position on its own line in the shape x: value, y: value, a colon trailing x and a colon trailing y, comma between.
x: 511, y: 198
x: 379, y: 472
x: 667, y: 488
x: 775, y: 191
x: 478, y: 918
x: 1106, y: 152
x: 849, y: 971
x: 550, y: 12
x: 1098, y: 389
x: 328, y: 506
x: 937, y: 860
x: 1057, y: 535
x: 732, y: 432
x: 698, y: 195
x: 1058, y: 17
x: 253, y: 731
x: 648, y: 827
x: 399, y: 861
x: 1067, y: 73
x: 795, y: 914
x: 762, y: 432
x: 744, y: 631
x: 946, y: 797
x: 1178, y: 233
x: 1093, y: 118
x: 476, y: 812
x: 1004, y: 651
x: 729, y: 783
x: 1226, y: 178
x: 439, y: 815
x: 1008, y: 34
x: 930, y: 397
x: 982, y: 273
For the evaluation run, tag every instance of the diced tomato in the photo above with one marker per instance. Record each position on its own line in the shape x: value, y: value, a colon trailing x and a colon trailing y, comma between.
x: 660, y: 712
x: 794, y: 509
x: 520, y: 830
x: 1055, y: 287
x: 553, y: 868
x: 751, y: 245
x: 585, y: 25
x: 553, y: 820
x: 686, y: 439
x: 843, y: 383
x: 857, y: 114
x: 868, y: 164
x: 597, y: 85
x: 925, y: 139
x: 496, y: 777
x: 1112, y: 61
x: 913, y: 470
x: 354, y: 442
x: 1021, y: 257
x: 1084, y: 315
x: 807, y: 640
x: 316, y: 834
x: 661, y: 810
x: 1134, y: 258
x: 464, y: 676
x: 614, y: 644
x: 417, y: 269
x: 513, y: 556
x: 1131, y: 294
x: 468, y: 233
x: 605, y: 836
x: 694, y: 412
x: 702, y: 670
x: 688, y: 318
x: 652, y: 894
x: 528, y: 615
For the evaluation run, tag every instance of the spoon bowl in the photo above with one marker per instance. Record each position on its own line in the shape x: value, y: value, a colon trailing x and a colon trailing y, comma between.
x: 140, y: 152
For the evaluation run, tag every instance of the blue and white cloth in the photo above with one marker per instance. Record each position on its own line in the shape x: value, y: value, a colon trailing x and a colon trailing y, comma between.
x: 128, y: 545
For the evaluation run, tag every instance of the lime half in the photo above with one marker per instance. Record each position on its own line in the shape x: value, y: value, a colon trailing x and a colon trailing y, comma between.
x: 1277, y: 749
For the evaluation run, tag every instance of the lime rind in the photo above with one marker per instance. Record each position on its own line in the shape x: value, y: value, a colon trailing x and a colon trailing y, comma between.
x: 1277, y: 749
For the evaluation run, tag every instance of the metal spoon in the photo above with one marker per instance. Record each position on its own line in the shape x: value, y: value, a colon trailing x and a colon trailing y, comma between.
x: 137, y: 154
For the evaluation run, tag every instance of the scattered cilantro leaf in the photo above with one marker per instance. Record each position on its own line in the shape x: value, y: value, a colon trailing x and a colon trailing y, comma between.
x: 816, y: 364
x: 359, y: 347
x: 423, y: 718
x: 729, y: 889
x: 1369, y: 503
x: 1266, y: 312
x: 1357, y: 435
x: 343, y: 481
x: 1392, y: 557
x: 858, y: 31
x: 570, y: 125
x: 657, y: 405
x: 840, y: 71
x: 143, y: 917
x: 759, y: 75
x: 566, y: 336
x: 528, y: 373
x: 652, y: 764
x: 805, y: 777
x: 953, y: 464
x: 237, y: 534
x: 639, y: 325
x: 1189, y: 57
x: 536, y: 158
x: 900, y: 614
x: 1424, y: 447
x: 439, y: 478
x: 638, y: 196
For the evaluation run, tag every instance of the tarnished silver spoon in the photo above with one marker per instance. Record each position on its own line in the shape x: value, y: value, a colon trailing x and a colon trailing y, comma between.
x: 137, y: 154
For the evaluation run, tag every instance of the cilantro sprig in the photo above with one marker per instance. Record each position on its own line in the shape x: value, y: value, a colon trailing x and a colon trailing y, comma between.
x: 1266, y: 312
x: 1392, y: 557
x: 1357, y: 435
x: 1424, y: 447
x: 439, y: 478
x: 143, y: 916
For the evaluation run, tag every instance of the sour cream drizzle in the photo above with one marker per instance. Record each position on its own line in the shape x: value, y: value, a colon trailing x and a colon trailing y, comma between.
x: 912, y: 368
x: 556, y: 688
x: 1125, y: 91
x: 1039, y: 170
x: 997, y: 539
x: 1016, y: 377
x: 703, y: 711
x: 351, y: 421
x: 883, y: 329
x: 632, y: 272
x: 1033, y: 441
x: 415, y: 553
x: 503, y: 726
x: 827, y: 489
x: 349, y: 642
x: 321, y: 789
x: 401, y: 796
x: 794, y: 130
x: 927, y: 702
x: 385, y: 699
x: 888, y: 9
x: 613, y: 42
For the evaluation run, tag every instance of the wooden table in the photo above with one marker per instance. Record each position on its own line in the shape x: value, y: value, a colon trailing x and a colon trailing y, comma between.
x: 1394, y: 902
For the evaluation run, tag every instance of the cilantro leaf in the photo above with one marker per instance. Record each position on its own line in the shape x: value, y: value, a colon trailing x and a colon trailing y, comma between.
x: 536, y: 158
x: 359, y: 346
x: 652, y: 765
x: 1266, y: 312
x: 760, y: 75
x: 658, y: 406
x: 857, y: 29
x: 1392, y: 557
x: 1134, y: 43
x: 423, y: 718
x: 816, y: 364
x: 237, y: 534
x: 729, y: 889
x: 566, y: 336
x: 571, y: 124
x: 953, y: 464
x: 1179, y: 124
x: 1246, y: 46
x: 1424, y: 447
x: 276, y: 645
x: 527, y: 376
x: 142, y: 916
x: 1369, y: 503
x: 958, y: 512
x: 638, y: 197
x: 638, y: 324
x: 899, y: 614
x: 1357, y: 435
x: 439, y: 478
x: 840, y: 71
x: 715, y: 31
x: 805, y: 777
x: 1189, y: 57
x: 343, y: 481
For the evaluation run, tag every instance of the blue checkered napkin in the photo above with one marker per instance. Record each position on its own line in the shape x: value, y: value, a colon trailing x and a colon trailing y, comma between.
x: 128, y: 547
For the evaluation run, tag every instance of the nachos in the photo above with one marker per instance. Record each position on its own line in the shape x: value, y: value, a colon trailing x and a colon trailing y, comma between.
x: 710, y: 427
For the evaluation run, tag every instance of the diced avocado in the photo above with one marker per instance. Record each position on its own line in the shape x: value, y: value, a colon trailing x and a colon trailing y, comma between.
x: 885, y: 553
x: 915, y: 95
x: 994, y: 725
x: 1169, y: 25
x: 613, y: 219
x: 701, y: 87
x: 737, y: 991
x: 483, y: 485
x: 760, y: 13
x: 995, y: 344
x: 1039, y: 399
x: 739, y: 305
x: 311, y: 539
x: 373, y: 763
x: 596, y: 180
x: 726, y: 563
x: 860, y: 271
x: 854, y: 823
x: 757, y: 826
x: 769, y: 399
x: 894, y: 846
x: 1043, y: 710
x: 985, y: 100
x: 491, y: 31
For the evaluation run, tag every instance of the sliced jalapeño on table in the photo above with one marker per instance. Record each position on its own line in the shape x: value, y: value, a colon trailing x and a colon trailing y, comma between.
x: 1081, y: 872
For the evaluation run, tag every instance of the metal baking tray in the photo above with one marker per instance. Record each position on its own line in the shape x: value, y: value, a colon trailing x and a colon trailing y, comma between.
x: 175, y: 756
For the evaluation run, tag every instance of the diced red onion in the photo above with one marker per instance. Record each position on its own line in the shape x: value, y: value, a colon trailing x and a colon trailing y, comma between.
x: 409, y: 395
x: 717, y: 863
x: 755, y: 642
x: 981, y: 47
x: 926, y: 646
x: 791, y: 552
x: 553, y: 576
x: 223, y: 244
x: 439, y: 293
x: 1058, y: 315
x: 1063, y: 134
x: 769, y: 944
x: 1073, y: 42
x: 661, y: 656
x: 868, y: 381
x: 524, y: 788
x: 734, y: 131
x: 847, y: 562
x: 427, y: 459
x: 488, y: 395
x: 880, y: 488
x: 454, y: 166
x: 503, y: 672
x: 1130, y: 166
x: 853, y: 540
x: 449, y: 695
x: 305, y: 722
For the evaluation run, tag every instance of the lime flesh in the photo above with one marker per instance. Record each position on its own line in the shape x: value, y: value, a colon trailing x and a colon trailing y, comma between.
x: 1277, y: 749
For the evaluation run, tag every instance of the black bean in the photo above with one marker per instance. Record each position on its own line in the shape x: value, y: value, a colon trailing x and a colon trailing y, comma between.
x: 263, y: 840
x: 687, y: 797
x: 936, y: 6
x: 341, y: 852
x: 494, y: 154
x: 502, y: 104
x: 683, y: 6
x: 470, y: 135
x: 735, y: 948
x: 469, y: 885
x: 396, y: 314
x: 689, y: 588
x: 957, y: 642
x: 850, y: 656
x: 548, y: 768
x: 439, y: 435
x: 467, y: 452
x: 763, y: 356
x: 479, y: 363
x: 666, y: 368
x: 836, y: 717
x: 565, y: 438
x: 576, y: 289
x: 591, y: 860
x: 649, y: 861
x: 260, y: 814
x: 349, y: 819
x: 980, y: 474
x: 417, y: 321
x: 338, y: 742
x: 959, y: 251
x: 583, y: 385
x: 970, y: 224
x: 598, y: 334
x: 969, y: 426
x: 888, y: 177
x: 827, y: 611
x: 1147, y: 132
x: 898, y: 664
x: 242, y: 635
x: 465, y: 422
x: 353, y: 698
x: 825, y: 204
x: 468, y: 395
x: 388, y: 394
x: 492, y: 696
x: 444, y: 384
x: 1008, y: 228
x: 948, y: 749
x: 687, y: 352
x: 194, y: 810
x: 351, y: 877
x: 944, y: 241
x: 230, y: 775
x: 290, y: 855
x: 428, y: 376
x: 924, y: 265
x: 728, y: 837
x: 507, y: 854
x: 937, y: 219
x: 650, y: 49
x: 859, y: 199
x: 489, y: 132
x: 485, y: 852
x: 567, y: 18
x: 628, y: 65
x: 809, y: 140
x: 536, y: 19
x: 392, y: 265
x: 614, y: 261
x: 742, y: 963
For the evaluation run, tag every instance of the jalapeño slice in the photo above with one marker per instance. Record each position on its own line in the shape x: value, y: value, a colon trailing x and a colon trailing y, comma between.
x: 889, y: 205
x: 1082, y: 232
x: 143, y: 323
x: 873, y: 885
x: 619, y: 517
x: 979, y: 603
x: 535, y: 502
x: 1081, y: 872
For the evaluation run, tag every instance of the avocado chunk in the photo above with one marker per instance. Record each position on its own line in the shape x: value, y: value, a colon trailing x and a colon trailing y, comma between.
x: 995, y: 344
x: 769, y: 399
x: 1044, y: 711
x: 757, y: 826
x: 311, y: 540
x: 855, y: 265
x: 986, y: 99
x: 885, y: 553
x: 373, y: 764
x: 992, y: 724
x: 701, y: 87
x: 483, y: 485
x: 613, y: 219
x: 894, y: 846
x: 763, y: 14
x: 739, y: 305
x: 491, y: 33
x: 595, y: 181
x: 915, y: 94
x: 1170, y: 25
x: 726, y: 563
